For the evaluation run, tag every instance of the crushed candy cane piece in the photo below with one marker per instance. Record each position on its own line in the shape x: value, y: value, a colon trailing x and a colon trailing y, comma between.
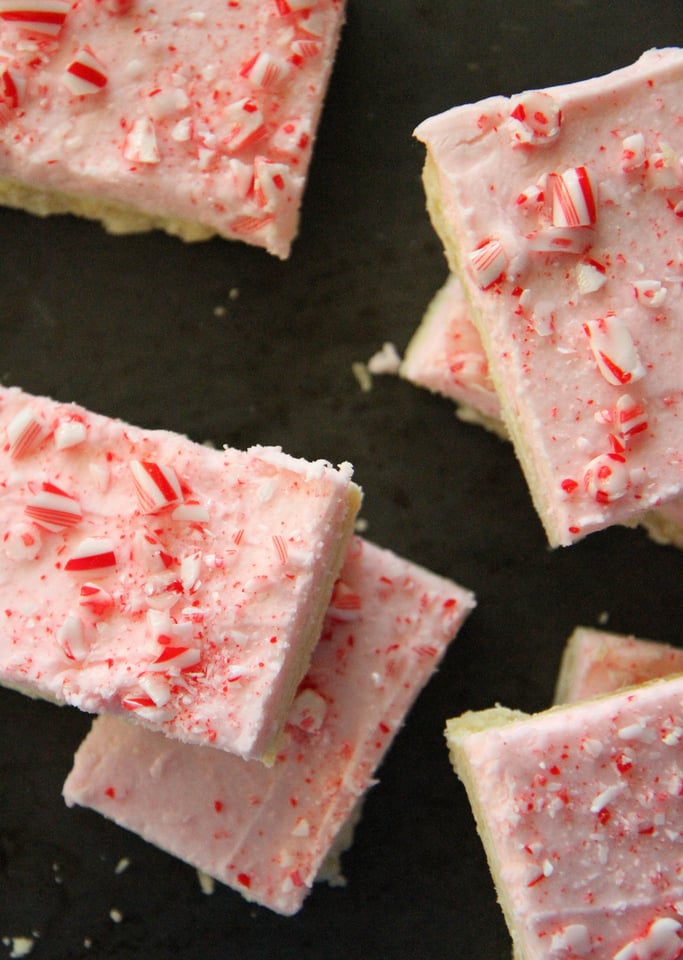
x: 156, y: 485
x: 25, y: 432
x: 95, y: 598
x: 308, y: 711
x: 71, y: 638
x: 606, y: 478
x: 140, y: 145
x: 85, y: 74
x: 535, y: 118
x: 53, y: 509
x: 242, y: 124
x: 632, y: 152
x: 265, y: 71
x: 70, y: 432
x: 36, y: 16
x: 573, y: 197
x: 488, y: 262
x: 631, y: 417
x: 613, y: 349
x: 94, y: 556
x: 651, y: 293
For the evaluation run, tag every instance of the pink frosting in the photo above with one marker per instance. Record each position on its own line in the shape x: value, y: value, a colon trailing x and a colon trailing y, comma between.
x: 266, y: 831
x: 446, y: 355
x: 561, y: 213
x: 597, y: 661
x: 204, y: 112
x: 145, y: 575
x: 581, y: 811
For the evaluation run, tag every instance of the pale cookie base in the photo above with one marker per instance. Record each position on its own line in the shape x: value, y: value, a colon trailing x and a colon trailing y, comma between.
x: 115, y: 218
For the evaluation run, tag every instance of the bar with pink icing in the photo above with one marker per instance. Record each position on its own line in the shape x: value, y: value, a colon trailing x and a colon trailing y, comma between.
x: 598, y: 661
x: 148, y: 576
x: 579, y: 811
x: 267, y: 831
x: 446, y: 356
x: 560, y: 212
x: 199, y: 119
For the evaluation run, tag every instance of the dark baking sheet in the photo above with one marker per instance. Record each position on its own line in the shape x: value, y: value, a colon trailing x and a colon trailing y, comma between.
x: 224, y: 343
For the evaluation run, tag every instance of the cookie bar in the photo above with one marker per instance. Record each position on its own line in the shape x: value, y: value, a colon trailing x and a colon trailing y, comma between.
x: 560, y: 211
x: 198, y: 119
x: 148, y: 576
x: 267, y: 831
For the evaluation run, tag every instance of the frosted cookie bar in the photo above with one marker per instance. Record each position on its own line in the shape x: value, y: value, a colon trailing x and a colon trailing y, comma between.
x: 195, y: 118
x: 597, y: 661
x: 267, y: 831
x: 580, y: 815
x: 446, y: 356
x: 145, y: 575
x: 560, y: 212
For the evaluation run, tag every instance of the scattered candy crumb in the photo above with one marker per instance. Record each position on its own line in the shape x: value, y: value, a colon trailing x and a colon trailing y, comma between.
x: 207, y: 884
x: 122, y: 865
x: 115, y: 915
x: 386, y: 360
x: 20, y: 946
x: 362, y: 375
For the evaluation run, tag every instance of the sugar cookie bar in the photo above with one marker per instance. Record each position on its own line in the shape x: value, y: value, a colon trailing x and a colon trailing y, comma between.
x: 145, y: 575
x: 266, y: 831
x: 579, y: 811
x: 560, y: 211
x: 198, y: 119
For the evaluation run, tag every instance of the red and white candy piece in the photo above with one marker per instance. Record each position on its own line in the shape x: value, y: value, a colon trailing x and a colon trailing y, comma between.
x: 535, y: 118
x: 140, y: 145
x: 264, y: 71
x: 590, y: 276
x: 345, y: 604
x: 95, y: 556
x: 308, y: 711
x: 531, y: 197
x: 632, y: 152
x: 85, y: 74
x: 272, y: 183
x: 613, y: 349
x: 12, y: 88
x: 488, y: 262
x: 560, y: 240
x: 156, y: 485
x: 241, y: 124
x: 95, y: 599
x: 53, y: 509
x: 662, y: 168
x: 573, y: 198
x: 174, y: 659
x: 45, y: 17
x: 650, y: 293
x: 71, y: 638
x: 22, y: 542
x: 25, y: 432
x: 151, y: 700
x: 606, y: 477
x: 305, y: 48
x: 631, y: 417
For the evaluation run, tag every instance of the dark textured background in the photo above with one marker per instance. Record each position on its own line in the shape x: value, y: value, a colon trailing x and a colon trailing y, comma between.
x: 129, y: 327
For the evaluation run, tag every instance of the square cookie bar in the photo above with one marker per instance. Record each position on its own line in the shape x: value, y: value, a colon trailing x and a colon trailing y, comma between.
x: 198, y: 119
x: 560, y: 211
x: 145, y: 575
x: 267, y: 831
